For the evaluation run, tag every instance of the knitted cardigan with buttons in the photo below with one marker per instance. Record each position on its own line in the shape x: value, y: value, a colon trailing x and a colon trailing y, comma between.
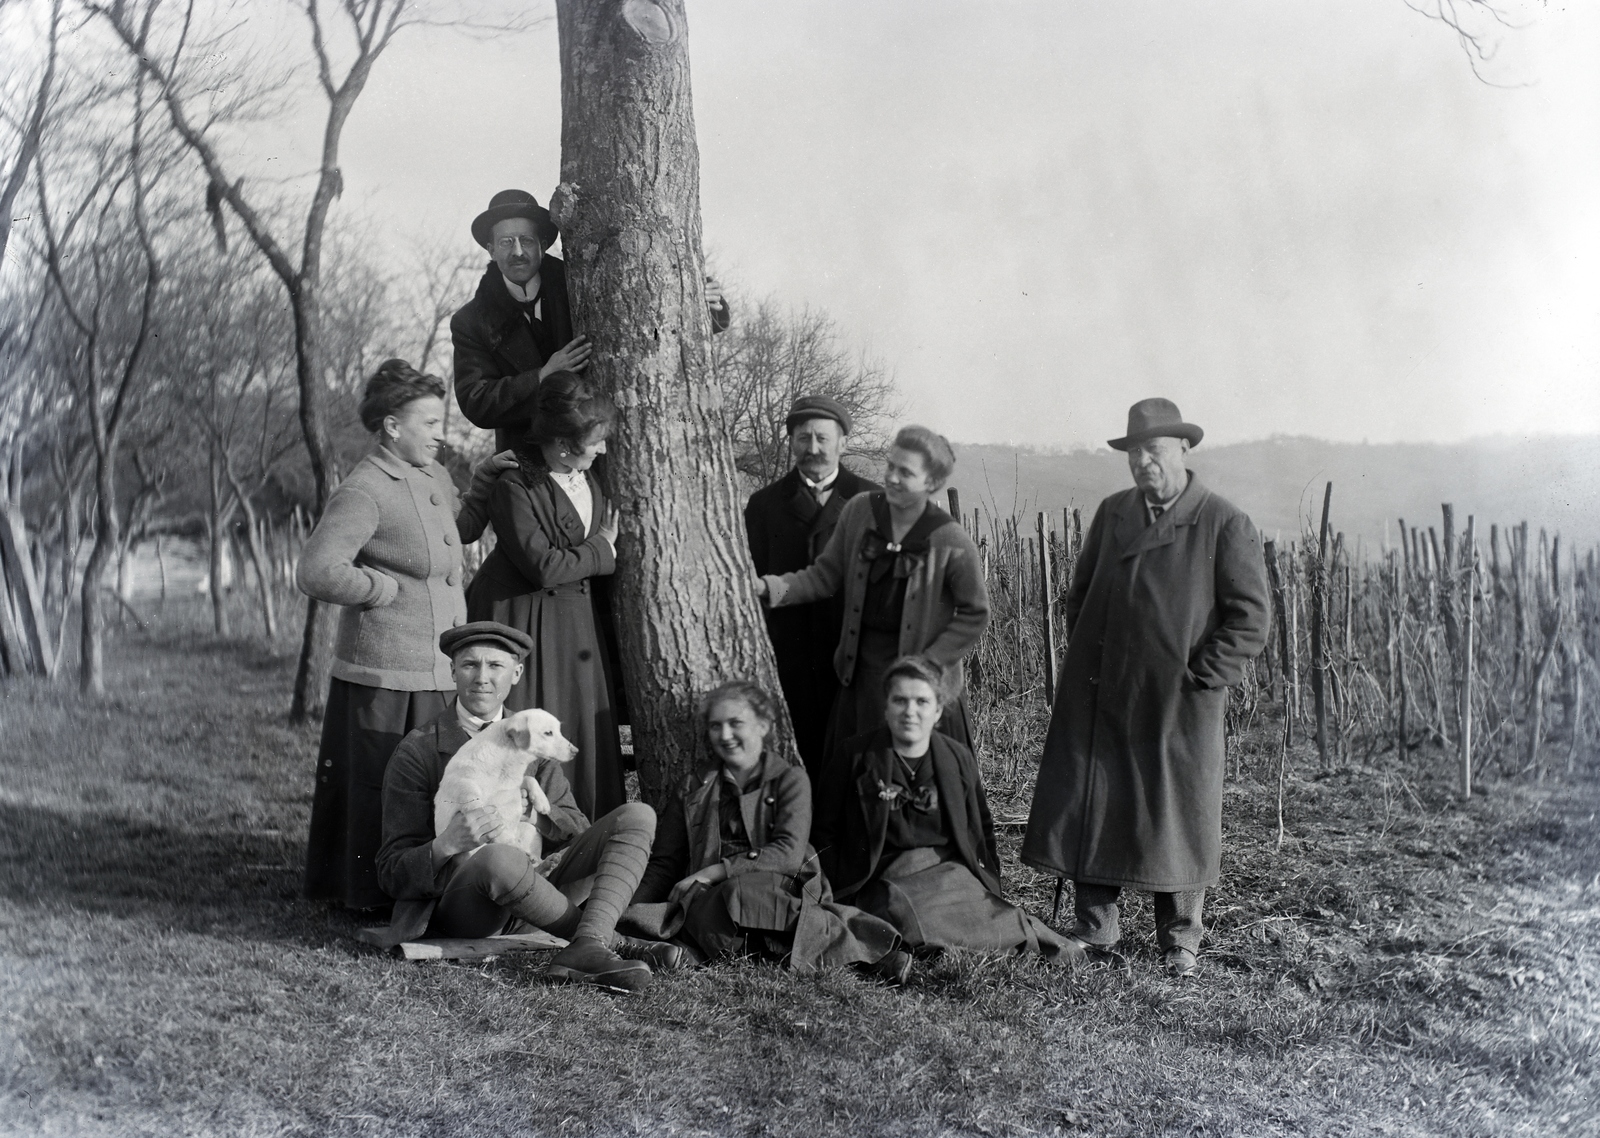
x: 388, y: 548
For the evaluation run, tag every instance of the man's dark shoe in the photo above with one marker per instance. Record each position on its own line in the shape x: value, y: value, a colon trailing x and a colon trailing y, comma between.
x: 660, y: 955
x: 587, y: 961
x: 894, y: 968
x: 1079, y: 950
x: 1180, y: 962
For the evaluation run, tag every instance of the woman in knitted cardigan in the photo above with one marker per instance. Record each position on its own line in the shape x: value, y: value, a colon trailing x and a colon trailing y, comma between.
x: 912, y: 584
x: 388, y: 549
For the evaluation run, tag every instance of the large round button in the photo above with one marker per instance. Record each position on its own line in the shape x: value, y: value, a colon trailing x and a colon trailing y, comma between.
x: 457, y: 622
x: 437, y: 499
x: 449, y: 539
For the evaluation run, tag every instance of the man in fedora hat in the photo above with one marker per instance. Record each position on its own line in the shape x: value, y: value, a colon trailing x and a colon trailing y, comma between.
x: 517, y: 328
x: 452, y: 884
x: 1167, y: 605
x: 788, y: 524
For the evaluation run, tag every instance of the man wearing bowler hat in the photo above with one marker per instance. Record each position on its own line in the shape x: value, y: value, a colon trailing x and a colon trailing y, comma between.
x: 464, y: 882
x: 517, y: 329
x: 1167, y: 604
x: 788, y: 524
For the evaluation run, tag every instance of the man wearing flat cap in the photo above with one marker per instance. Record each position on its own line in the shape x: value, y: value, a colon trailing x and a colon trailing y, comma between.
x: 517, y: 329
x: 788, y: 524
x: 1167, y: 605
x: 465, y: 883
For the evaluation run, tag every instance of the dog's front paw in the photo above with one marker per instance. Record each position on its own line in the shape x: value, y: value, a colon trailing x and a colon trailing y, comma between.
x: 538, y: 801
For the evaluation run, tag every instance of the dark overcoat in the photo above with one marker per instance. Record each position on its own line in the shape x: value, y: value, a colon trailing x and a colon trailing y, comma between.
x: 787, y: 530
x: 499, y: 351
x: 1161, y: 617
x: 852, y: 817
x: 548, y: 577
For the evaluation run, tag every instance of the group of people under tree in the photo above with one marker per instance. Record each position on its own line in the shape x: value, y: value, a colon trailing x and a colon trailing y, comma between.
x: 882, y: 845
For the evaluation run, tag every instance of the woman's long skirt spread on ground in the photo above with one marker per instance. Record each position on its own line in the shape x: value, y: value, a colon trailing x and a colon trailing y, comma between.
x: 936, y: 903
x: 779, y: 916
x: 362, y: 727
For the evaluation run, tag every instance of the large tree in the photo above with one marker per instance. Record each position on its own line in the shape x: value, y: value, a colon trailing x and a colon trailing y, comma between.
x: 629, y: 211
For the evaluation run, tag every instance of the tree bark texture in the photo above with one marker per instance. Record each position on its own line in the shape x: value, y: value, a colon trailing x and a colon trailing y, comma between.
x: 629, y: 212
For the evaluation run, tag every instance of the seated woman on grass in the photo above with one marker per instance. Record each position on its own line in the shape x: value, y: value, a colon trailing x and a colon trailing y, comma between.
x: 732, y: 873
x: 905, y: 830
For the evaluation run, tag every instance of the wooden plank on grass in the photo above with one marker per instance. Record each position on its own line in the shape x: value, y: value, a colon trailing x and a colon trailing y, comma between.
x: 481, y: 948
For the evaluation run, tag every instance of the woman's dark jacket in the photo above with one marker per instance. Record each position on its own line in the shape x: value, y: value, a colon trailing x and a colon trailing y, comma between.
x: 852, y: 817
x: 776, y: 808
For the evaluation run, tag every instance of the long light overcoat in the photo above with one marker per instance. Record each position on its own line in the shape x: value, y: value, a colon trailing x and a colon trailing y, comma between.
x: 1161, y: 617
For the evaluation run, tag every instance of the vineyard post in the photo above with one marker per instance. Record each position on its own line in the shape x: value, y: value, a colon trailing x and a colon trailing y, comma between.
x: 1466, y: 662
x: 955, y: 503
x: 1286, y: 655
x: 1319, y: 666
x: 1403, y: 724
x: 1048, y: 596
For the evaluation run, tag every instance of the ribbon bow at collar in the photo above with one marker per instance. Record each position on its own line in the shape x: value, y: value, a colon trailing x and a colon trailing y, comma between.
x: 877, y: 543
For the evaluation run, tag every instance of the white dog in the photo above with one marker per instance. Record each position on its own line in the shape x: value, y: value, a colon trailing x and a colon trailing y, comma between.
x: 491, y: 772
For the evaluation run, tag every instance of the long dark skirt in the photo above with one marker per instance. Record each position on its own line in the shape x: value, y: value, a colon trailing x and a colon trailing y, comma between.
x: 936, y: 903
x: 569, y: 675
x: 859, y: 708
x: 361, y: 729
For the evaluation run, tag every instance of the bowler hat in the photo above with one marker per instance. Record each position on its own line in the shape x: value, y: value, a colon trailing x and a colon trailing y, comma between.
x: 809, y: 407
x: 453, y: 640
x: 514, y: 203
x: 1155, y: 419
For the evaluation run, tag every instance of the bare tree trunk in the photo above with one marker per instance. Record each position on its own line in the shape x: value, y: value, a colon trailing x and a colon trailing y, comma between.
x: 629, y: 211
x: 258, y: 558
x: 217, y: 524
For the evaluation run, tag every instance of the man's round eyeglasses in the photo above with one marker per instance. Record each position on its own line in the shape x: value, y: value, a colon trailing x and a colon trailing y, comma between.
x: 507, y: 244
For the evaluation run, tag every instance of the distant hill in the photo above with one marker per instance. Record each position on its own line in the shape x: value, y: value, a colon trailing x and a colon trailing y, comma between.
x: 1552, y: 483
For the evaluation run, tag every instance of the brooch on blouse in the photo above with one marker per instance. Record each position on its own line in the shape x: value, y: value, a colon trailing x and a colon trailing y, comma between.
x: 899, y: 798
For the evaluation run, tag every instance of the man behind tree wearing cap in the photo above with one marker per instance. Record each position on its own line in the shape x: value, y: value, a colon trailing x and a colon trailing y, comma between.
x: 1167, y: 604
x: 452, y: 884
x: 788, y: 524
x: 517, y: 329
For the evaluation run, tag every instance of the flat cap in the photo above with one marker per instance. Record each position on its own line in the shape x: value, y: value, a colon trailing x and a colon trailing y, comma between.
x: 809, y: 407
x: 453, y: 640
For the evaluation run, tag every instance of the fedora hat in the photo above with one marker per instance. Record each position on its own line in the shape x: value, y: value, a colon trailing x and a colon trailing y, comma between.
x: 1154, y: 419
x: 514, y: 203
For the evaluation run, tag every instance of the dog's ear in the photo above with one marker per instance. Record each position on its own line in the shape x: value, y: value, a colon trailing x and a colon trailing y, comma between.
x: 517, y: 733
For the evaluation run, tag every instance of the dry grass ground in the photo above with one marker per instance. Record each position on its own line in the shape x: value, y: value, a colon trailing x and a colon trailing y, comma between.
x: 1404, y: 965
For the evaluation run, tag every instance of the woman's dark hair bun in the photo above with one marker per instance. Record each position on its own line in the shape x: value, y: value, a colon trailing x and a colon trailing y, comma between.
x: 390, y: 388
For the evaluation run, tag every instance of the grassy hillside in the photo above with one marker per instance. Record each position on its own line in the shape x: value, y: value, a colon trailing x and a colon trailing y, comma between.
x: 1550, y: 482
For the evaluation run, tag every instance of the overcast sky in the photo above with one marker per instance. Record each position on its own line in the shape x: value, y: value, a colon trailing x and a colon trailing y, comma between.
x: 1304, y: 218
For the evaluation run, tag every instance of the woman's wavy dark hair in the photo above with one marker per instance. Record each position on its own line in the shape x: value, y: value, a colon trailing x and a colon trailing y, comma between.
x: 934, y: 448
x: 752, y: 695
x: 568, y: 411
x: 391, y: 388
x: 930, y: 672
